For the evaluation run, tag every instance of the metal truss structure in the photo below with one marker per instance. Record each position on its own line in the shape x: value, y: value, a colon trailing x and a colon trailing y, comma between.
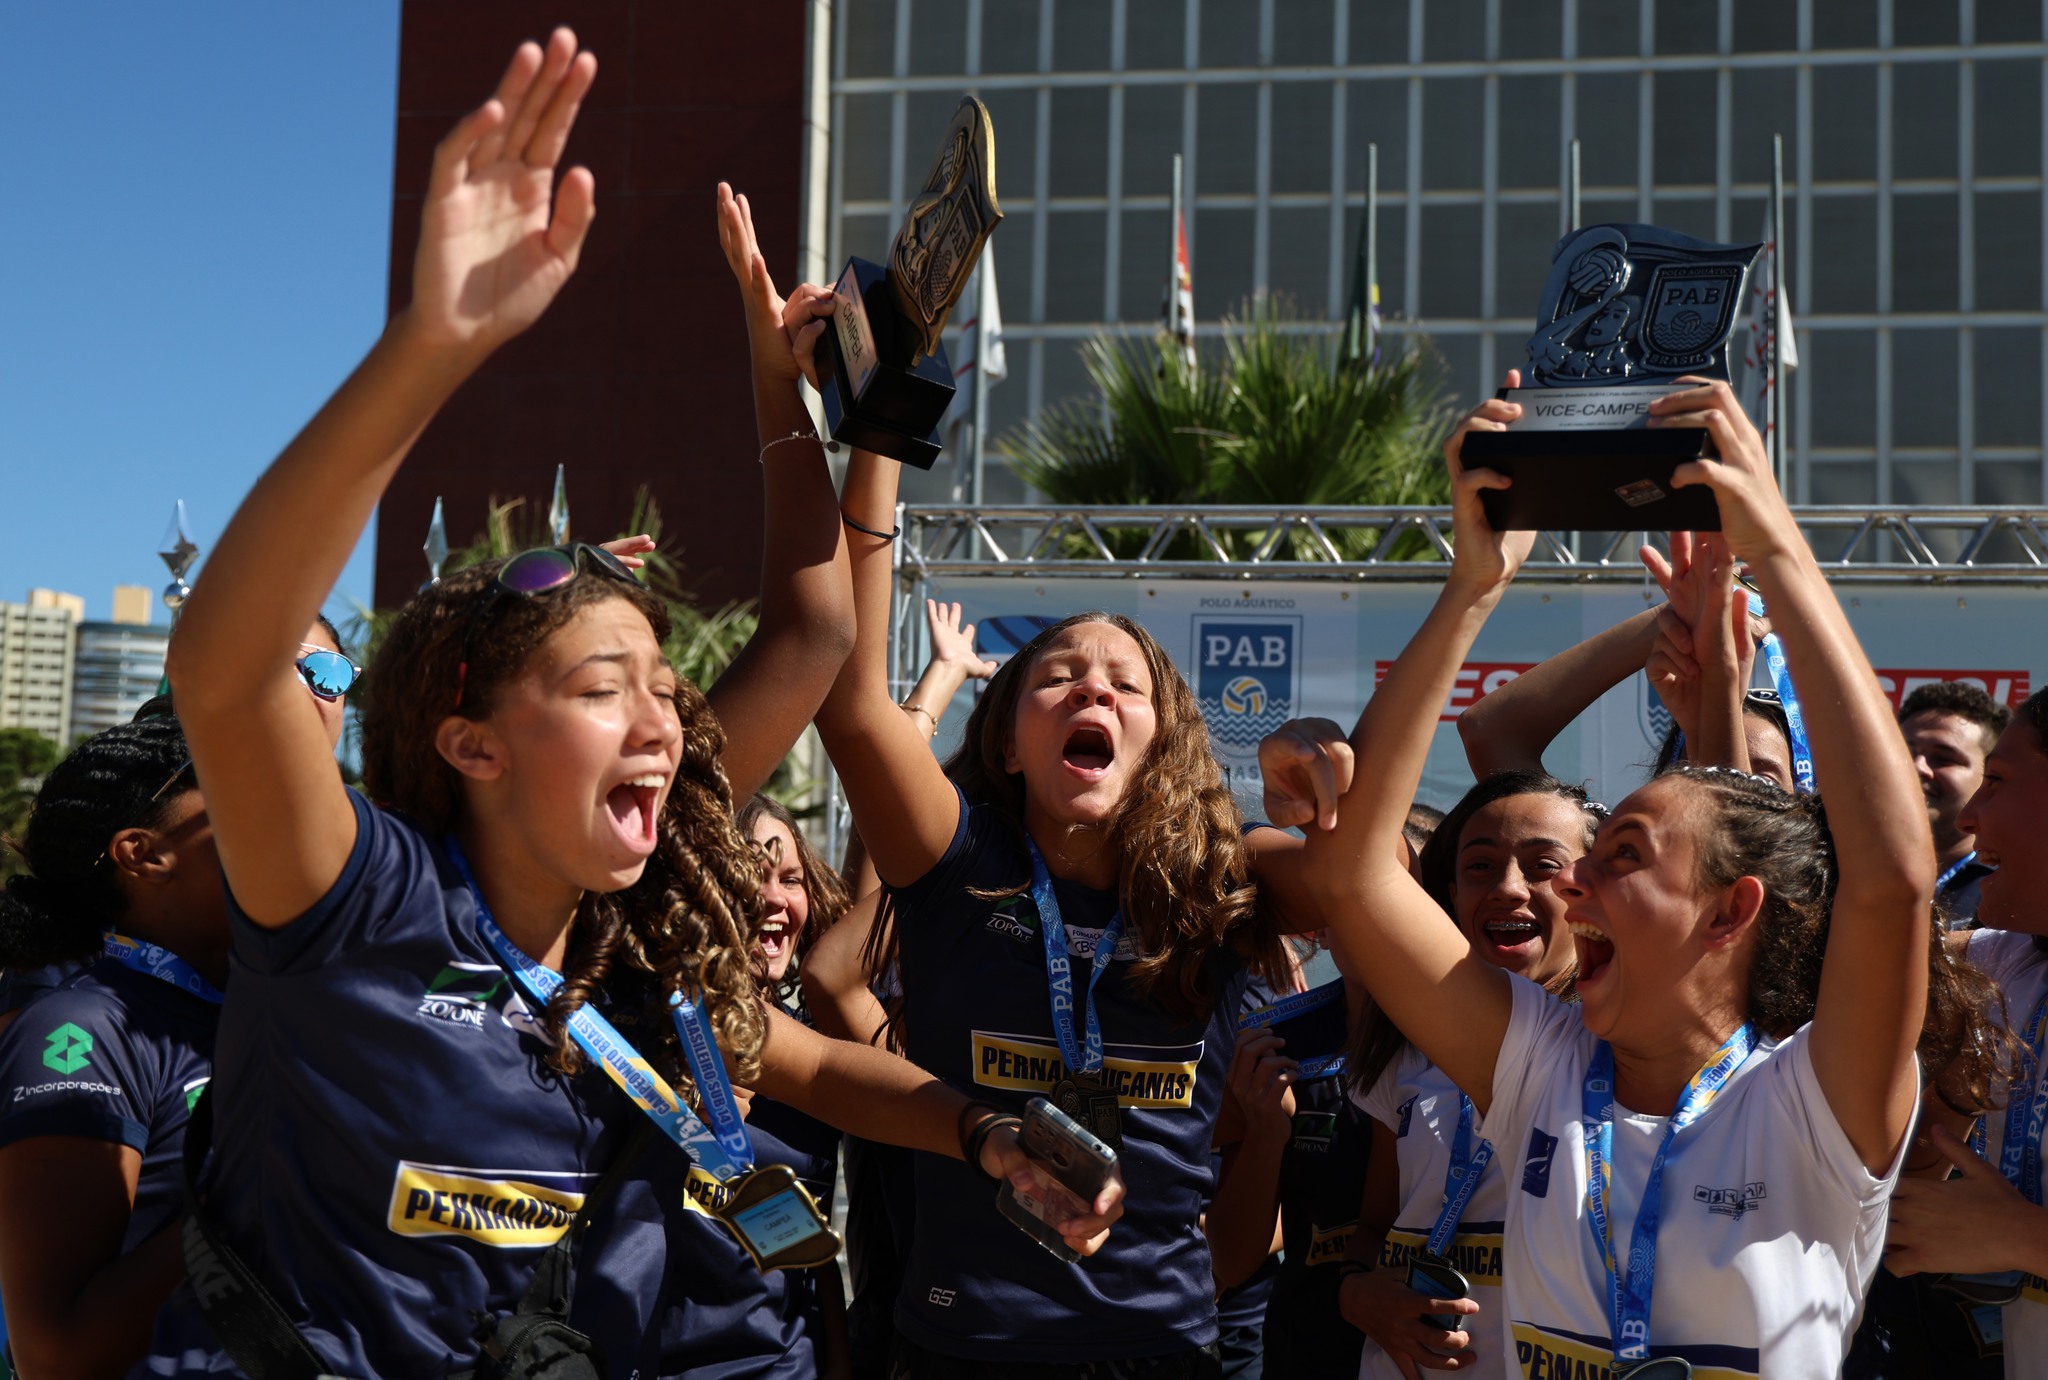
x: 1863, y: 545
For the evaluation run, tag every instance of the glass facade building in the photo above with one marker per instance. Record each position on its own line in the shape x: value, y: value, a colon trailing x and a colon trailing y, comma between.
x: 1913, y: 135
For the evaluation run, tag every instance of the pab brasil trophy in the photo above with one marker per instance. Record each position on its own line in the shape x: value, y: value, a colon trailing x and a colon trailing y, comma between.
x: 882, y: 366
x: 1627, y: 311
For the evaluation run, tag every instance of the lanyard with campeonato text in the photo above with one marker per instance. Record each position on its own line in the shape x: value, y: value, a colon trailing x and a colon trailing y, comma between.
x: 601, y: 1041
x: 155, y: 961
x: 714, y: 1089
x: 2026, y: 1116
x: 1468, y: 1167
x: 1631, y: 1281
x: 1082, y: 1055
x: 1795, y: 719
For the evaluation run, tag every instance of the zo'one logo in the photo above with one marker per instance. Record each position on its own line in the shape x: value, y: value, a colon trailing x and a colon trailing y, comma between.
x: 461, y: 993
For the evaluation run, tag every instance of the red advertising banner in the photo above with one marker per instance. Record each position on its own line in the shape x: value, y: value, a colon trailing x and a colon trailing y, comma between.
x: 1476, y: 680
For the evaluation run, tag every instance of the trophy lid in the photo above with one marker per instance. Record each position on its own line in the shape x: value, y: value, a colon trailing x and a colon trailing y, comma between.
x: 950, y: 220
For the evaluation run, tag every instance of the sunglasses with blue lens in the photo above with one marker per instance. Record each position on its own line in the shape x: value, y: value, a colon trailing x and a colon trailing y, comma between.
x: 329, y: 675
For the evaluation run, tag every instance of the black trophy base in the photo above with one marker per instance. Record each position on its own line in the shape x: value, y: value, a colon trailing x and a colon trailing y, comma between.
x: 875, y: 397
x: 1594, y: 480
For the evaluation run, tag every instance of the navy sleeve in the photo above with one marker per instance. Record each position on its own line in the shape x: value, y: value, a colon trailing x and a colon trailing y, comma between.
x: 69, y: 1067
x: 954, y: 869
x: 390, y: 881
x: 20, y: 986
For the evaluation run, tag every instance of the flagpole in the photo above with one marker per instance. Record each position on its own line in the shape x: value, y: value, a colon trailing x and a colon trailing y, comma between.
x: 1571, y: 186
x: 1372, y: 248
x: 978, y: 449
x: 1174, y: 325
x: 1777, y: 410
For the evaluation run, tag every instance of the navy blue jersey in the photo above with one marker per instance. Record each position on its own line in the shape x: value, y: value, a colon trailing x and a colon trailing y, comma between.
x: 20, y: 986
x: 977, y: 1013
x: 391, y: 1151
x: 881, y: 1205
x: 1322, y: 1176
x: 112, y: 1055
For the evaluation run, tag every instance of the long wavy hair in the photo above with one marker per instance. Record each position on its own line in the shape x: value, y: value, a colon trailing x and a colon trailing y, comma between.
x: 1376, y: 1042
x: 1755, y: 828
x: 1184, y: 874
x: 687, y: 924
x: 824, y: 892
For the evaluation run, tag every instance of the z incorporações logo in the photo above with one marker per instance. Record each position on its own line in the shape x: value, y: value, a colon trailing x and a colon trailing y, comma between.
x: 70, y: 1049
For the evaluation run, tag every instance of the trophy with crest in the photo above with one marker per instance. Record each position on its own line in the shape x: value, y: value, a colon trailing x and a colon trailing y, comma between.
x: 882, y: 366
x: 1627, y: 311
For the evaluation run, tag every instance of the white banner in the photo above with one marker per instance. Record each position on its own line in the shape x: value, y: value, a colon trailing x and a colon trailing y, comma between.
x: 1257, y: 654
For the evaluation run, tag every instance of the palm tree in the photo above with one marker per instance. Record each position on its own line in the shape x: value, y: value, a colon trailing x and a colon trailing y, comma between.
x: 1276, y: 421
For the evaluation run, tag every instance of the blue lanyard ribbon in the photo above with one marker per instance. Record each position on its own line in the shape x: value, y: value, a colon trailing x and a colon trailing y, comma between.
x: 1300, y: 1004
x: 598, y: 1038
x: 1085, y: 1054
x: 1468, y: 1167
x: 1795, y: 718
x: 1631, y: 1282
x: 714, y: 1089
x: 154, y: 960
x: 2026, y: 1116
x: 1953, y: 870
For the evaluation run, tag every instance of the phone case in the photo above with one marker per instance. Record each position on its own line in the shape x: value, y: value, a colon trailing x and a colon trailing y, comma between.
x: 1079, y: 1161
x: 1439, y: 1282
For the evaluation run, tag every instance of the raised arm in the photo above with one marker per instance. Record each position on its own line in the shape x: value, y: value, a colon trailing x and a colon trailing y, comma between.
x: 902, y: 802
x: 1509, y: 728
x: 1420, y: 969
x: 835, y: 981
x: 1873, y: 988
x: 498, y: 239
x: 1701, y: 663
x: 773, y: 687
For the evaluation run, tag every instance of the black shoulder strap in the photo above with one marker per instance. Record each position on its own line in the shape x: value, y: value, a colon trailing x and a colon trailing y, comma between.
x: 254, y: 1328
x: 553, y: 1283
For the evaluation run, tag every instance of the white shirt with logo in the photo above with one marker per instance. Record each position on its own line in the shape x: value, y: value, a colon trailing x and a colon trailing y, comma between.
x: 1418, y: 1102
x: 2020, y: 968
x: 1771, y: 1227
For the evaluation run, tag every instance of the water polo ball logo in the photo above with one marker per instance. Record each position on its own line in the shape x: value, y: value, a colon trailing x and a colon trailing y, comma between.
x: 1245, y: 695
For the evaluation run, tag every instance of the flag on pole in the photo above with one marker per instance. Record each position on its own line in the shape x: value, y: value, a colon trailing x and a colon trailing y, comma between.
x: 1770, y: 327
x: 982, y: 320
x: 1361, y: 345
x: 1179, y: 325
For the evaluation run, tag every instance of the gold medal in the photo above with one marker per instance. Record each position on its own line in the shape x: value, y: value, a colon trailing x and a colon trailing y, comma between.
x: 772, y: 1215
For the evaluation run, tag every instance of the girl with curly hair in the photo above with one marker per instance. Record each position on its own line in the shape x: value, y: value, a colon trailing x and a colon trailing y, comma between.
x: 1701, y: 1152
x: 1085, y: 799
x: 416, y: 1087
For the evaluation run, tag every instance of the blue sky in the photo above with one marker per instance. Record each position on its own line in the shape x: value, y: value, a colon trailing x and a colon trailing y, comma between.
x: 194, y: 250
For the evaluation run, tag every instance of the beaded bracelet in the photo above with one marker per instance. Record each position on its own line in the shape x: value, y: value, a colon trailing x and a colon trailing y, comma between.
x: 857, y: 525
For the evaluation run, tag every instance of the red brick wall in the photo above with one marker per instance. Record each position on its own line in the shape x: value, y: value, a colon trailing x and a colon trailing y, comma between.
x: 638, y: 372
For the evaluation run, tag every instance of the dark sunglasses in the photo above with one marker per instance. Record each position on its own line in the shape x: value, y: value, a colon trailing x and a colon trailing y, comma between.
x: 536, y: 572
x: 328, y: 675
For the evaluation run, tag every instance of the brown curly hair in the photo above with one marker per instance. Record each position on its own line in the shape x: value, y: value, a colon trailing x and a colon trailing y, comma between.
x: 688, y: 922
x: 1185, y: 876
x: 1755, y: 828
x: 823, y: 889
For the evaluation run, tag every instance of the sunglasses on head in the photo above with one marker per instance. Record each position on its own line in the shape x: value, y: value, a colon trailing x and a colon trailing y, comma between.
x: 536, y: 572
x: 329, y: 675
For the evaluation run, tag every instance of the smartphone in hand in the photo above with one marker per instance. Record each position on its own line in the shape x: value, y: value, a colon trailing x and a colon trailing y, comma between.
x: 1080, y: 1166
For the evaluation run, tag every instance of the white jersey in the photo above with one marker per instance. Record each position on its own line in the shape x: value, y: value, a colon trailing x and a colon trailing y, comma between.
x: 1419, y: 1104
x: 1770, y: 1230
x: 2020, y: 968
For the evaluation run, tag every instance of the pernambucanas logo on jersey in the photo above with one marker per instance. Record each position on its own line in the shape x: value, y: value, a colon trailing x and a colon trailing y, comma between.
x: 494, y: 1207
x: 1146, y: 1075
x: 461, y: 993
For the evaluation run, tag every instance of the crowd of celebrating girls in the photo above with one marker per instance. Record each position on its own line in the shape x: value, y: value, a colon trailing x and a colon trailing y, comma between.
x: 537, y: 1054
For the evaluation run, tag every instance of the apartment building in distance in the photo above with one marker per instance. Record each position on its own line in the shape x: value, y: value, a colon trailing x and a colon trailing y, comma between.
x: 37, y: 639
x: 116, y: 665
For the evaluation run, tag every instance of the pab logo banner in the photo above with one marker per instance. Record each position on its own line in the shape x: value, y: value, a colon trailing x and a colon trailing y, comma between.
x: 1247, y: 678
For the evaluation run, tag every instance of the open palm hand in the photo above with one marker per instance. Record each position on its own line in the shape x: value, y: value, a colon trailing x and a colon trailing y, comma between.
x: 498, y: 238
